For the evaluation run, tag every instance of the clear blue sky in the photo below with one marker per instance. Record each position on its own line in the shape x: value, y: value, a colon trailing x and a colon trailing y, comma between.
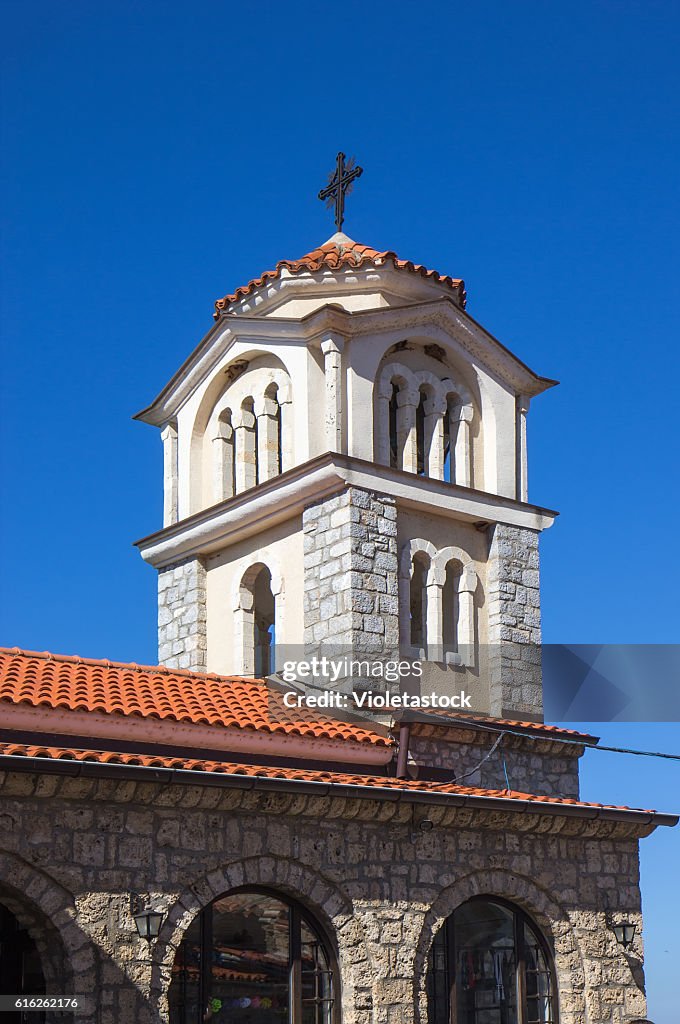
x: 158, y: 155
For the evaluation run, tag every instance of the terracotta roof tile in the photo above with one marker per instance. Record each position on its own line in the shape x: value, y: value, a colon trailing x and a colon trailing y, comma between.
x: 340, y: 256
x: 293, y: 774
x: 114, y: 688
x: 460, y: 718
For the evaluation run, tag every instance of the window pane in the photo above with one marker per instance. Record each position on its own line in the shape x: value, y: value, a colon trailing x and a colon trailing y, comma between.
x: 317, y: 988
x: 184, y: 988
x: 249, y: 961
x: 538, y: 981
x: 486, y: 965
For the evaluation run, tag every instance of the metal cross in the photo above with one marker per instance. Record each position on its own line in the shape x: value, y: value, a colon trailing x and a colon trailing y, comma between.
x: 339, y: 185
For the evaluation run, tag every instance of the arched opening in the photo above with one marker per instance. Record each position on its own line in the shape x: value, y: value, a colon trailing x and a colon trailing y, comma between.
x: 264, y: 614
x: 489, y: 964
x: 450, y: 608
x: 394, y: 441
x: 421, y: 455
x: 253, y: 957
x: 21, y: 971
x: 418, y: 600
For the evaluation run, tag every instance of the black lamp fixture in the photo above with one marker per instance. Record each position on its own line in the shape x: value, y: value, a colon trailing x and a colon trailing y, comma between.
x: 624, y: 932
x: 147, y: 921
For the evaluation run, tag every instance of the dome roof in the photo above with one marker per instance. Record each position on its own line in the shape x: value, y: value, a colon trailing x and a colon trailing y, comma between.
x: 340, y: 253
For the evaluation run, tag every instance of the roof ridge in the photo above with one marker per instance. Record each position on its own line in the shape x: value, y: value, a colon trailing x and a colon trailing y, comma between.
x: 77, y: 659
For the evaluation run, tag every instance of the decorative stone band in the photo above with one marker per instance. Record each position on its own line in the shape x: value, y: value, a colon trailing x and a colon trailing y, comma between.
x: 326, y: 800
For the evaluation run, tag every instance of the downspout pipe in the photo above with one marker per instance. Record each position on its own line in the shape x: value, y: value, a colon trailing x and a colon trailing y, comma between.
x: 402, y: 755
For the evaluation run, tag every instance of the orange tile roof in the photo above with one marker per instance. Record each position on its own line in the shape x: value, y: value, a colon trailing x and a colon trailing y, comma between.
x: 459, y: 720
x: 291, y: 774
x: 114, y: 688
x: 340, y: 256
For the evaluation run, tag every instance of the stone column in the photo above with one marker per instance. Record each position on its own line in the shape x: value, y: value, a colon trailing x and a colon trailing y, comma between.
x: 467, y: 585
x: 182, y: 630
x: 434, y: 635
x: 407, y: 442
x: 332, y: 349
x: 245, y: 452
x: 522, y: 488
x: 514, y: 617
x: 170, y: 508
x: 267, y: 413
x: 460, y: 429
x: 244, y: 632
x: 435, y: 410
x: 223, y: 461
x: 382, y: 423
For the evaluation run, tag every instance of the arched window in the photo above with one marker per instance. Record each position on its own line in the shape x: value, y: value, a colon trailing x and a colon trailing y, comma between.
x: 253, y: 957
x: 421, y: 454
x: 489, y: 964
x: 255, y: 621
x: 394, y: 442
x: 418, y: 600
x: 450, y: 608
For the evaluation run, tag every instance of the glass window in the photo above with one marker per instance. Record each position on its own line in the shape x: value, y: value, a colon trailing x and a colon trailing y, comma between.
x: 252, y: 958
x: 488, y: 965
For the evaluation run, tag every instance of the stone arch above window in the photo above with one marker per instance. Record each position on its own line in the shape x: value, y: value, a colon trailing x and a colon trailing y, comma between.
x: 422, y: 423
x: 490, y: 962
x: 258, y: 607
x: 254, y: 954
x: 447, y: 600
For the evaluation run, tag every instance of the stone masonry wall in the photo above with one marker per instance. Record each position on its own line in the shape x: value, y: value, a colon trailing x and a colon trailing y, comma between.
x: 515, y: 684
x: 73, y: 850
x: 182, y: 629
x: 351, y: 573
x: 541, y: 767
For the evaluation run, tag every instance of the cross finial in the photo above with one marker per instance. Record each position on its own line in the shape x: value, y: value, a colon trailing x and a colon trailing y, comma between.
x: 339, y: 185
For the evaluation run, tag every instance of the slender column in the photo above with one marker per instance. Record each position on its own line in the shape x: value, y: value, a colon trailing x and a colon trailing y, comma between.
x: 244, y: 633
x: 267, y: 411
x: 332, y: 349
x: 462, y: 454
x: 405, y: 611
x: 169, y: 439
x: 522, y: 488
x: 407, y: 442
x: 466, y: 616
x: 287, y: 451
x: 245, y: 453
x: 223, y: 461
x: 382, y: 423
x: 435, y: 620
x: 435, y: 410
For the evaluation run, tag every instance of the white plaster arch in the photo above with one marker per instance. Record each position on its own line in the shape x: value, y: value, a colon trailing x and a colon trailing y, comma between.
x: 414, y: 547
x: 411, y: 383
x: 248, y: 375
x: 442, y: 559
x: 244, y: 610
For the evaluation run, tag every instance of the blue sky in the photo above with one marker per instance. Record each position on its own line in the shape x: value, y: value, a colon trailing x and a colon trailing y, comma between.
x: 158, y: 155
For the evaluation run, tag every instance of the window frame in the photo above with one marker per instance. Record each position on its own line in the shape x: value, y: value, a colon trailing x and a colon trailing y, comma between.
x: 520, y: 918
x: 298, y: 914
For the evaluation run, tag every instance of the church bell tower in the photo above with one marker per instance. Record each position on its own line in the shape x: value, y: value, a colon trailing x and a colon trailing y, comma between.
x: 345, y: 463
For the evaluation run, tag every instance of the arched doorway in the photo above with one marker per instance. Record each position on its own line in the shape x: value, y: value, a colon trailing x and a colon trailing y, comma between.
x: 21, y: 971
x: 253, y: 956
x: 489, y: 964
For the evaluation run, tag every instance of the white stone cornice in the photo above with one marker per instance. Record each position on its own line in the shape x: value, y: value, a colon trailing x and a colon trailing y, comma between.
x: 285, y: 496
x: 454, y: 325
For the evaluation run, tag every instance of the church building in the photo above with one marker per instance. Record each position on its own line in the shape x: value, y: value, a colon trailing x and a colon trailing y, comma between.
x: 345, y: 469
